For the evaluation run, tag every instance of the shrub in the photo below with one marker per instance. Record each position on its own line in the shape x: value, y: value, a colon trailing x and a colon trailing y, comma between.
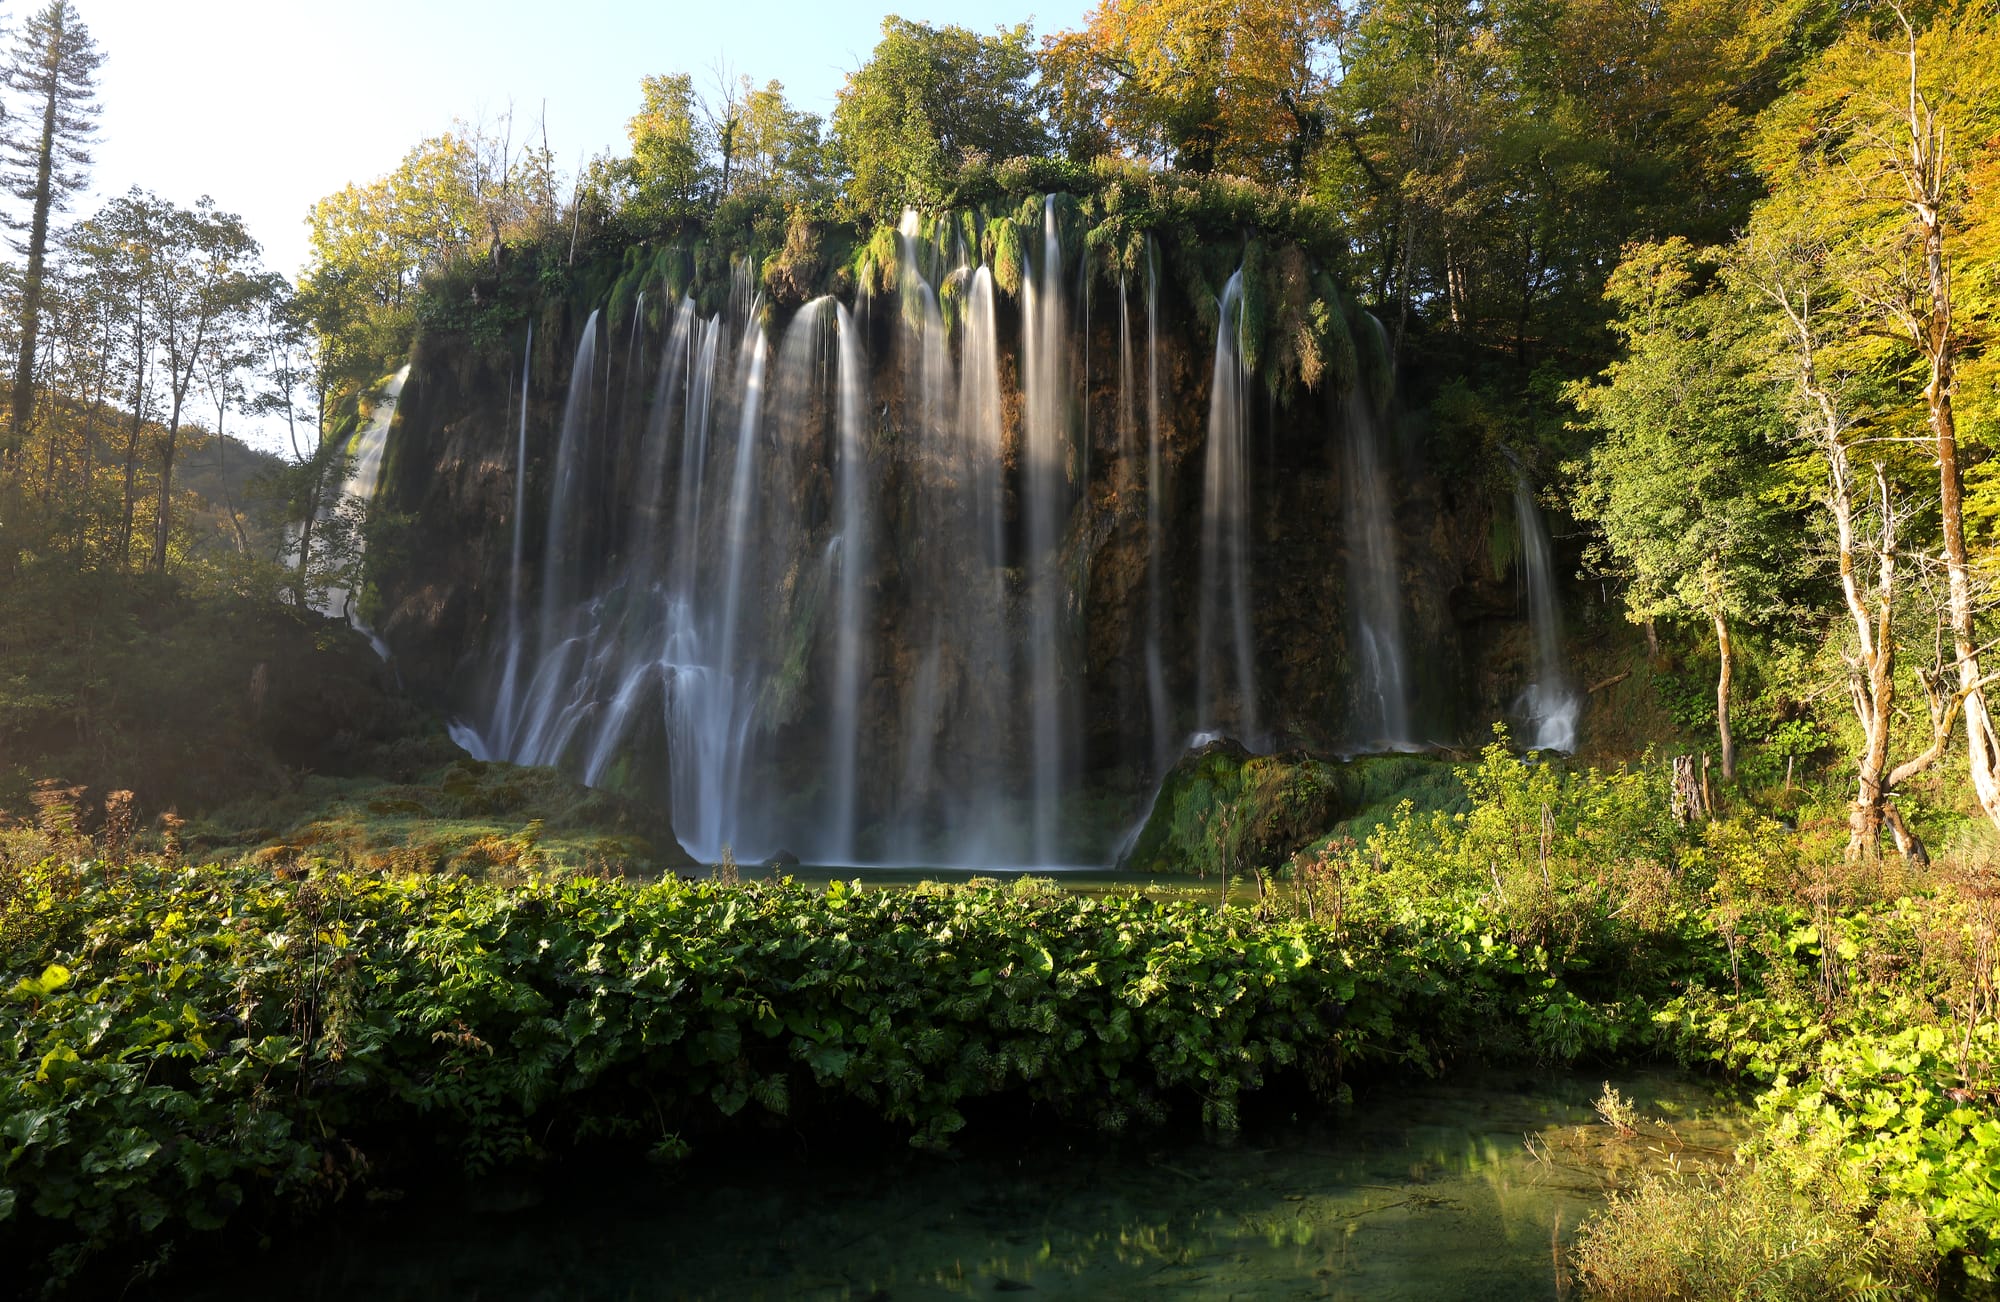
x: 1784, y: 1227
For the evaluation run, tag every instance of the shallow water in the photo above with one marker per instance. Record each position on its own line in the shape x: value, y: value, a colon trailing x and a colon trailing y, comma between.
x: 1078, y: 881
x: 1433, y: 1191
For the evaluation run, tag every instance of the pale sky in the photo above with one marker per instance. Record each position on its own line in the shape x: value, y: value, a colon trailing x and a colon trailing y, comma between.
x: 266, y: 105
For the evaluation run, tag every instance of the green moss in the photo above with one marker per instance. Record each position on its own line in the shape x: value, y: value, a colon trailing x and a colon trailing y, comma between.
x: 1223, y: 809
x: 467, y: 816
x: 1002, y: 250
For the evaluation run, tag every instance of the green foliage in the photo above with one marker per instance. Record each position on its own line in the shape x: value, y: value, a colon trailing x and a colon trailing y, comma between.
x: 182, y: 1041
x: 1688, y: 480
x: 928, y: 101
x: 1873, y: 1025
x: 1781, y: 1227
x: 1563, y: 860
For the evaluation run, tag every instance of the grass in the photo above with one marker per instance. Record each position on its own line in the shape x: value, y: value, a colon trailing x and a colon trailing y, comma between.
x: 1777, y: 1227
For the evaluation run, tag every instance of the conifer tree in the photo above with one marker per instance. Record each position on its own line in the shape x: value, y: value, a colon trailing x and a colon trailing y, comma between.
x: 52, y: 69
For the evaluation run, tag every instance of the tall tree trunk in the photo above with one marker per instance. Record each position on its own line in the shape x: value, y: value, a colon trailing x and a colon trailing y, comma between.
x: 222, y: 473
x: 1928, y: 174
x: 163, y: 518
x: 1726, y: 653
x: 1872, y: 671
x: 31, y: 282
x: 85, y: 485
x: 132, y: 458
x: 1982, y: 747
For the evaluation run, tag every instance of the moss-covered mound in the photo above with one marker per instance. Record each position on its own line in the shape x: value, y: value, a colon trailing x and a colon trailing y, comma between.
x: 468, y: 816
x: 1222, y: 809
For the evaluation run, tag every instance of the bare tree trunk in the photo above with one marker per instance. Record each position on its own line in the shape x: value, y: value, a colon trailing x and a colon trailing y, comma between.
x: 1906, y: 840
x: 228, y: 498
x: 163, y: 517
x: 132, y: 458
x: 1726, y: 652
x: 1928, y: 174
x: 84, y: 485
x: 1872, y: 668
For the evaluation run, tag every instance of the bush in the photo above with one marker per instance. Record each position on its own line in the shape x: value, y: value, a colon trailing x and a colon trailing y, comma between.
x: 183, y: 1041
x: 1783, y: 1227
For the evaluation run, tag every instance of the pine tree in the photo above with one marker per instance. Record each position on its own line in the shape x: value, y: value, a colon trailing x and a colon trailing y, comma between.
x: 52, y: 68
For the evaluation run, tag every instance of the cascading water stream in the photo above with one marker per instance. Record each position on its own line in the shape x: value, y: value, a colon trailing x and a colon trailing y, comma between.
x: 853, y: 517
x: 356, y: 493
x: 936, y: 470
x: 731, y: 519
x: 1225, y: 637
x: 1549, y: 704
x: 1156, y: 597
x: 505, y: 706
x: 1375, y: 583
x: 1045, y: 456
x: 985, y: 833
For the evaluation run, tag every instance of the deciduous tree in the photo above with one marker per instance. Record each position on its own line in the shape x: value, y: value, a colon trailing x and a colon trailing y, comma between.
x: 928, y: 99
x: 1684, y: 481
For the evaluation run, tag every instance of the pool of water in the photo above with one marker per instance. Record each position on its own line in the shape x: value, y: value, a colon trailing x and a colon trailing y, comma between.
x: 1463, y: 1190
x: 1080, y: 881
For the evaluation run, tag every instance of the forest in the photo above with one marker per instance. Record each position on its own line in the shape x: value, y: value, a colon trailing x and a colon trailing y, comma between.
x: 1176, y: 583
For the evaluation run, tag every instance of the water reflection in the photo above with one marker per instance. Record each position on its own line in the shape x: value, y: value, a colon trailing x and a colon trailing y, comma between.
x: 1463, y: 1190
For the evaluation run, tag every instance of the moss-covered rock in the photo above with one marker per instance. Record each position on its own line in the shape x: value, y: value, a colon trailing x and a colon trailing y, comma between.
x: 1222, y: 809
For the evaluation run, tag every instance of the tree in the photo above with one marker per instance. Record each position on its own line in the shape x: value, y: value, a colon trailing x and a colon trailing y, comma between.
x: 1868, y: 526
x: 202, y: 274
x: 1681, y: 483
x: 225, y: 360
x: 780, y: 147
x: 295, y: 365
x: 928, y: 100
x: 1882, y: 142
x: 52, y: 67
x: 114, y: 247
x: 670, y: 145
x: 1204, y: 84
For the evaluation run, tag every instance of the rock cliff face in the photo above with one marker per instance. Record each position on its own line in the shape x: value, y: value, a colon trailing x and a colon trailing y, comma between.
x: 964, y: 673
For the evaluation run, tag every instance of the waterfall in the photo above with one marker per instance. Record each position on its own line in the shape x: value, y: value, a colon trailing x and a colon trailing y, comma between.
x: 1045, y: 470
x: 1374, y: 583
x: 826, y: 602
x: 506, y: 707
x: 1156, y: 599
x: 986, y: 832
x: 562, y: 550
x: 937, y: 470
x: 714, y: 647
x: 356, y: 494
x: 854, y: 519
x: 1225, y: 637
x: 1549, y: 704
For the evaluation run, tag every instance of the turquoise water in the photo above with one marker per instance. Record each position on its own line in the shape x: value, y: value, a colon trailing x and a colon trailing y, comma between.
x: 1464, y: 1190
